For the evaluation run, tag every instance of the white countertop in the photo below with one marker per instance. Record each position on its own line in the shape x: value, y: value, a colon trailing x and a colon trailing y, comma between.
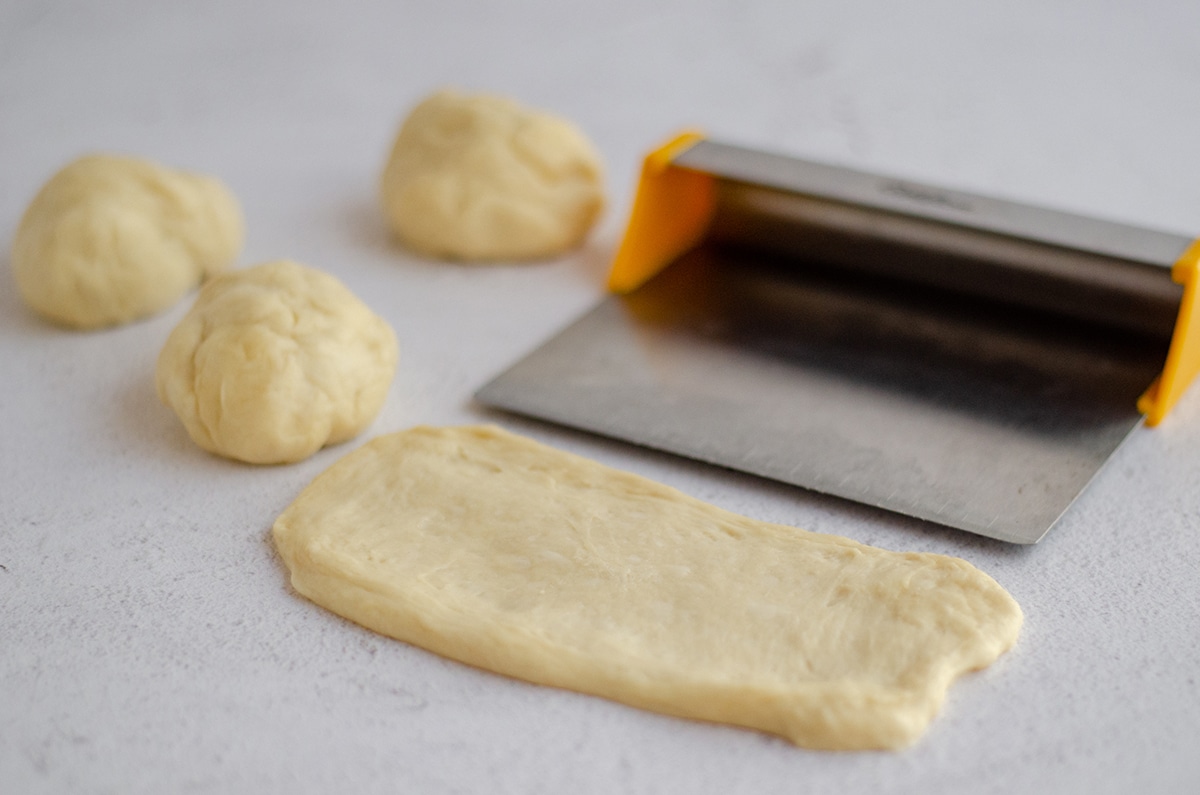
x: 148, y: 639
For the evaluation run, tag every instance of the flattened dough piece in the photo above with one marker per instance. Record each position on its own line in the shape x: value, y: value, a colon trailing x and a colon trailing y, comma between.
x: 503, y: 553
x: 112, y: 239
x: 274, y: 362
x: 479, y: 177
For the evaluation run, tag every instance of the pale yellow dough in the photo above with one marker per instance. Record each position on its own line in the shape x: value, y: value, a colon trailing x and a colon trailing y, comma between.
x: 274, y: 362
x: 112, y: 239
x: 503, y: 553
x: 478, y: 177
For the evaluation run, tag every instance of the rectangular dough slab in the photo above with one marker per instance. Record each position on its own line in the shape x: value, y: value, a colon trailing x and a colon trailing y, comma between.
x: 503, y: 553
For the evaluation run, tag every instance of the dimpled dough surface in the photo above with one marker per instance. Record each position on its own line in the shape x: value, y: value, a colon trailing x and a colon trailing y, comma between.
x: 479, y: 177
x: 503, y: 553
x: 111, y: 239
x: 274, y: 362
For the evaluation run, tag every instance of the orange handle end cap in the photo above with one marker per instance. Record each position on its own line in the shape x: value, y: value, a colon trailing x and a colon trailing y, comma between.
x: 671, y: 212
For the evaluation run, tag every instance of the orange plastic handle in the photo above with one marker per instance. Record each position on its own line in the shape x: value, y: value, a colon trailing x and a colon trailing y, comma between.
x: 1183, y: 357
x: 674, y: 206
x: 671, y: 212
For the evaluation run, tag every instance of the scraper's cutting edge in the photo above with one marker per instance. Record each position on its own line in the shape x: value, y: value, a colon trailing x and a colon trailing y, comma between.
x: 951, y: 357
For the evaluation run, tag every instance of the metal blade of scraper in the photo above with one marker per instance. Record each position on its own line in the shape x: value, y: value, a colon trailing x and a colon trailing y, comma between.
x: 967, y: 414
x: 958, y: 358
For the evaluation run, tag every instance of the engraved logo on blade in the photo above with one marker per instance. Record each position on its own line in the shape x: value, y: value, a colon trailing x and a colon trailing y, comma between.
x: 925, y: 194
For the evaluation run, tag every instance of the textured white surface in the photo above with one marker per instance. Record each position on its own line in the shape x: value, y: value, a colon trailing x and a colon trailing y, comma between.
x: 148, y: 640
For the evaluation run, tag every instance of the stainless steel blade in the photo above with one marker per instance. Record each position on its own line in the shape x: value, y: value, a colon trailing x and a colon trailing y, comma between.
x: 961, y: 412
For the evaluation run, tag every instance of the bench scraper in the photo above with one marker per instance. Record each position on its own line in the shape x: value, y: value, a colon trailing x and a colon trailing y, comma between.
x: 960, y: 359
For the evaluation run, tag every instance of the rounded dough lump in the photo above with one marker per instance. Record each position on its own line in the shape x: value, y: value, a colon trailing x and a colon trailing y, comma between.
x: 482, y: 178
x: 112, y: 239
x: 274, y: 362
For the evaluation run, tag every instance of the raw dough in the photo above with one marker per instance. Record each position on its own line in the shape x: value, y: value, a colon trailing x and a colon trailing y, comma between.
x: 512, y: 556
x: 274, y: 362
x: 111, y: 239
x: 482, y: 178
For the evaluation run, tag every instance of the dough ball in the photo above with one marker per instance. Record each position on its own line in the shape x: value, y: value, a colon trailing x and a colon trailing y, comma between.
x: 112, y: 239
x: 482, y: 178
x: 274, y: 362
